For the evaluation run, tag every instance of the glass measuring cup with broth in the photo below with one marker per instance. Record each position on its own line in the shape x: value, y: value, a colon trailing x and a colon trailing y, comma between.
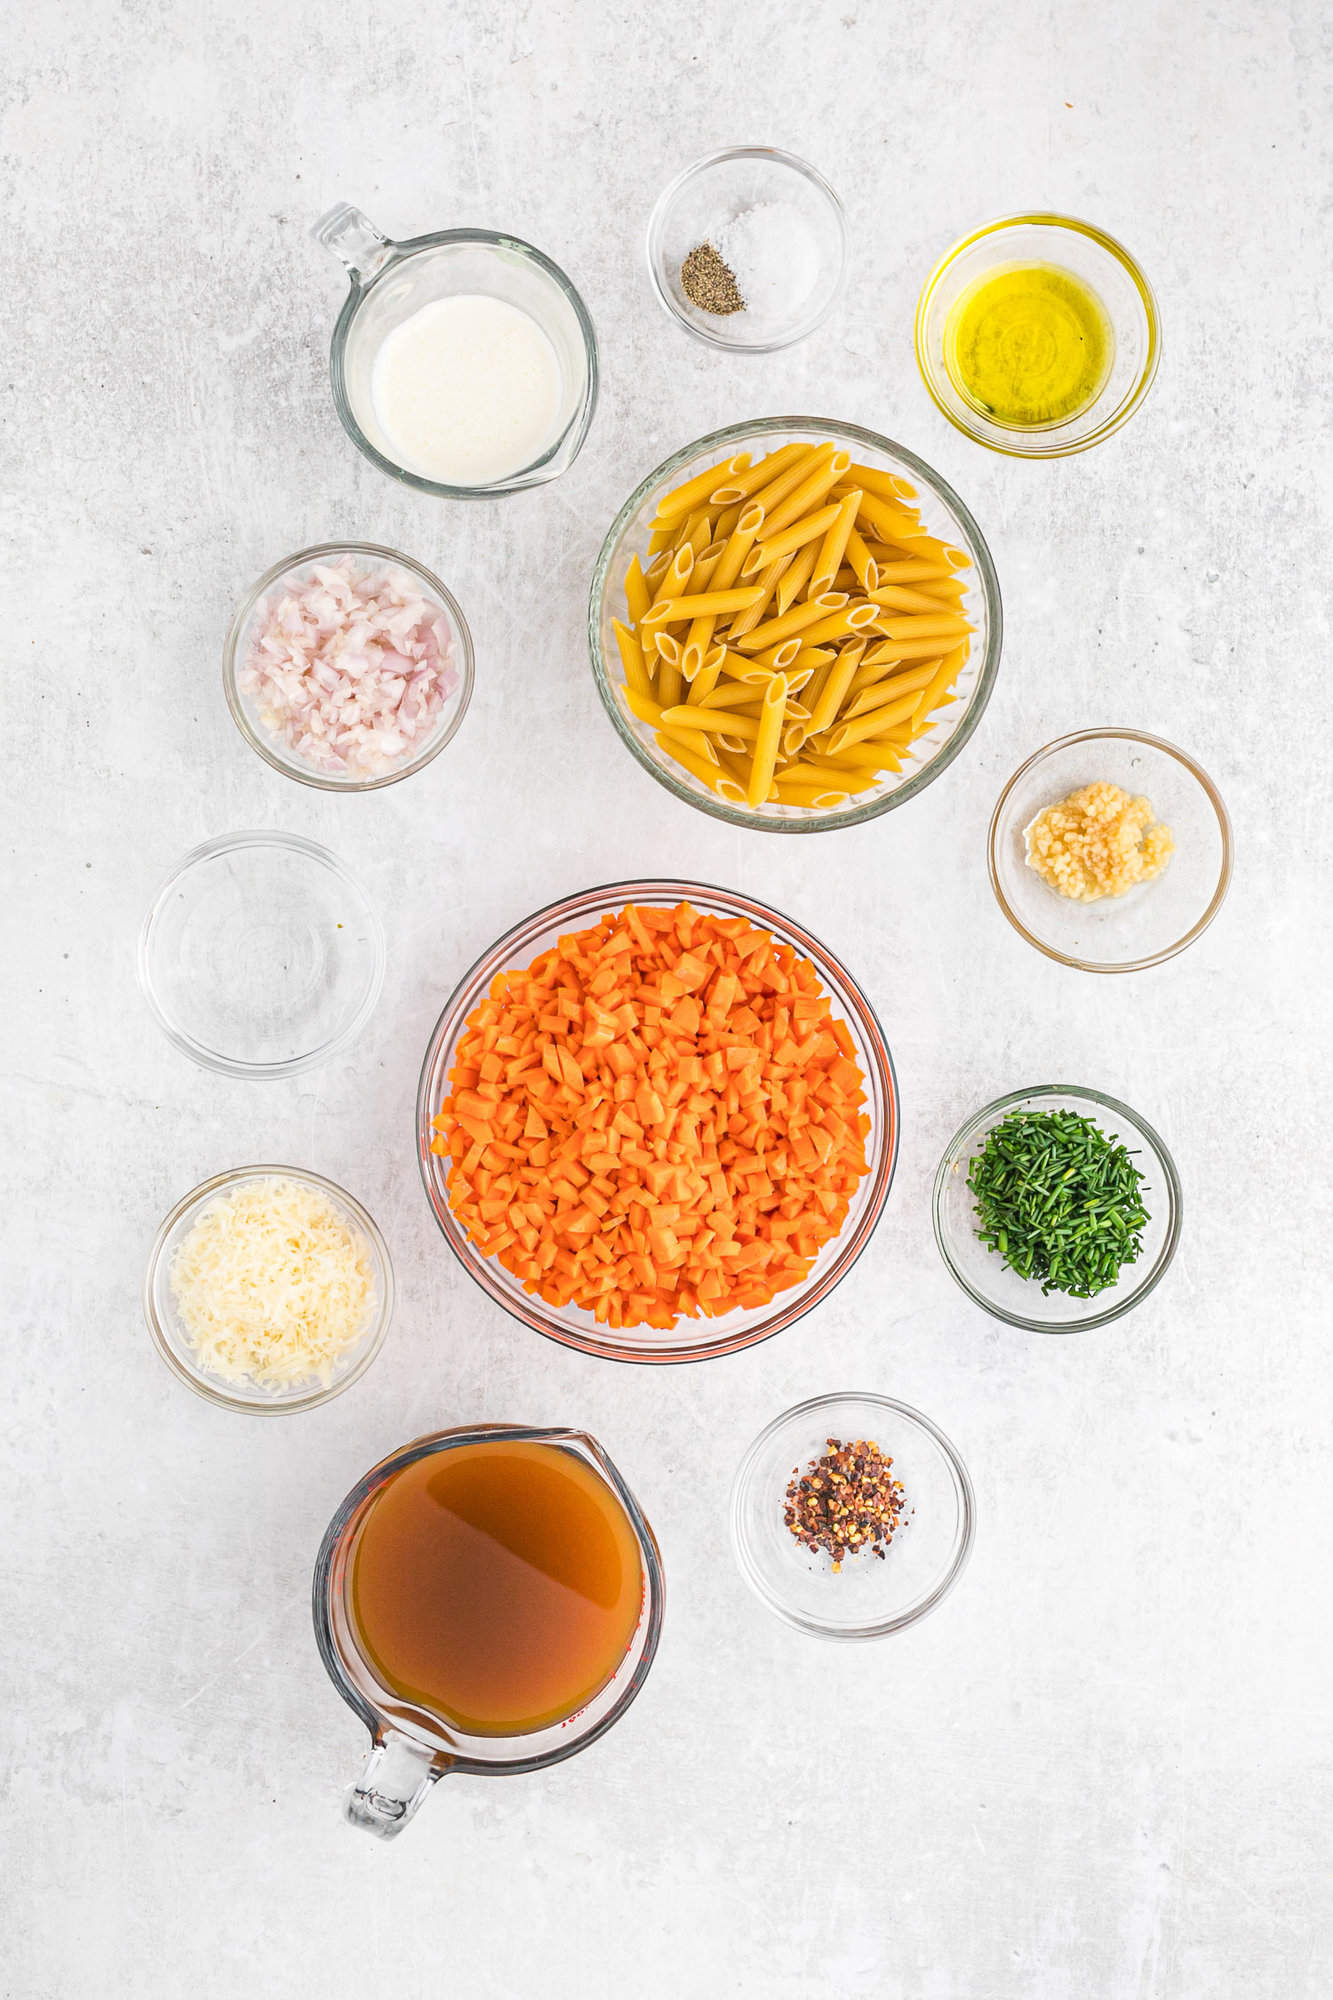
x: 487, y: 1600
x: 463, y: 363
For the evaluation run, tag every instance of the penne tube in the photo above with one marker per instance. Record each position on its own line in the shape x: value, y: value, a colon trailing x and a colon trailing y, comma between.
x: 874, y: 723
x: 834, y: 543
x: 939, y: 625
x: 779, y: 656
x: 843, y: 771
x: 716, y: 779
x: 745, y: 621
x: 715, y: 721
x: 799, y: 619
x: 857, y: 617
x: 680, y: 566
x: 886, y: 484
x: 914, y: 649
x: 892, y: 524
x: 903, y: 682
x: 768, y: 737
x: 793, y: 736
x: 796, y: 577
x: 668, y: 649
x: 667, y: 610
x: 834, y: 693
x: 877, y: 694
x: 861, y: 560
x: 768, y: 469
x: 710, y: 672
x: 637, y: 677
x: 771, y: 496
x: 684, y: 499
x: 637, y: 594
x: 945, y: 675
x: 811, y: 527
x: 912, y: 569
x: 817, y: 794
x: 811, y: 491
x: 657, y: 568
x: 737, y: 694
x: 897, y: 597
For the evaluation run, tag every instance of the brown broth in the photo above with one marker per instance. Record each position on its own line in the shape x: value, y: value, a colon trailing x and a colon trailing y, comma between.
x: 497, y: 1585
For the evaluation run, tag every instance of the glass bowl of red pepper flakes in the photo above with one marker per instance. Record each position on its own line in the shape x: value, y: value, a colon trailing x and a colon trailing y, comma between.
x: 913, y: 1542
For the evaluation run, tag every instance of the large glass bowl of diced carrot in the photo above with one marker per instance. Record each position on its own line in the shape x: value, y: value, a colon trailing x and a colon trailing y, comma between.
x: 657, y: 1121
x: 794, y: 624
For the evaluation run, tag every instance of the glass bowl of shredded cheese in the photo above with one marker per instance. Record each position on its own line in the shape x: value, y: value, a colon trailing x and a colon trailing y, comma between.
x: 1110, y: 850
x: 269, y: 1289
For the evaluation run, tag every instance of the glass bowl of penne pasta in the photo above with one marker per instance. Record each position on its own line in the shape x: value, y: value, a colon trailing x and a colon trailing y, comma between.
x: 509, y: 1097
x: 794, y: 624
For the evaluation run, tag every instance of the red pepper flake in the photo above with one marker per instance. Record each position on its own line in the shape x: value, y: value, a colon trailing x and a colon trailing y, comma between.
x: 845, y: 1502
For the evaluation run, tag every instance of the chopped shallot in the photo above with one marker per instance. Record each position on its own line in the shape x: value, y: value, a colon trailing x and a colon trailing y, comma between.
x: 352, y: 672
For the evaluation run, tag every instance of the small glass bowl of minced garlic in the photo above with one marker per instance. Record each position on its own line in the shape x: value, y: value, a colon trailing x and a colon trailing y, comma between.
x: 1110, y: 850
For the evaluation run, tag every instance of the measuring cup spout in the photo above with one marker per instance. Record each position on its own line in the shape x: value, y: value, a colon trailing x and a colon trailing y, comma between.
x: 354, y: 240
x: 397, y: 1776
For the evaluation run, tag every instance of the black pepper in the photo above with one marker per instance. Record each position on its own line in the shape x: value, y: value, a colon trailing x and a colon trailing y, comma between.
x: 709, y: 283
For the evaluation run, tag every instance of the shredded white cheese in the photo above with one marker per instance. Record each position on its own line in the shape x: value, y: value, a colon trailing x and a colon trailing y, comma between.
x: 273, y: 1285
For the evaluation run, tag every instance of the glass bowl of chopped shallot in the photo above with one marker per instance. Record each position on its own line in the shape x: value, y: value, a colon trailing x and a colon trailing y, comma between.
x: 657, y: 1121
x: 858, y: 1570
x: 269, y: 1289
x: 348, y: 667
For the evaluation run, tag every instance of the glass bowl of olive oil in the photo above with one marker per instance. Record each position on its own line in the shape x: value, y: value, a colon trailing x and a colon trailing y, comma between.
x: 1038, y: 335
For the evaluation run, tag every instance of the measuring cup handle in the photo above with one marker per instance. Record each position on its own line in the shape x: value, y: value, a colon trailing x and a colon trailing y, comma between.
x: 397, y: 1777
x: 354, y: 240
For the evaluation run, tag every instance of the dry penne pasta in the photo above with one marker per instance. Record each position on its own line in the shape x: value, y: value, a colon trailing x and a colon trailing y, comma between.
x: 792, y: 628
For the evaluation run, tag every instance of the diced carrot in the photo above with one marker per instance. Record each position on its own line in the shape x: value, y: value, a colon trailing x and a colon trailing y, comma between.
x: 622, y: 1147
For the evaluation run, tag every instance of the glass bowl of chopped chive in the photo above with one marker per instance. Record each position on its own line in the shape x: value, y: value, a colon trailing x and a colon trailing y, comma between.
x: 1057, y: 1208
x: 852, y: 1516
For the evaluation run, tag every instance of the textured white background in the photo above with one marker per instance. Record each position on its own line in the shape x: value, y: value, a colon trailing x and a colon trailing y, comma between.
x: 1102, y: 1769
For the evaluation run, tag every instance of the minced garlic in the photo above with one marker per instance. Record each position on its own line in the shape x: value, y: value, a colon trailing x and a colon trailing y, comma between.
x: 1097, y: 842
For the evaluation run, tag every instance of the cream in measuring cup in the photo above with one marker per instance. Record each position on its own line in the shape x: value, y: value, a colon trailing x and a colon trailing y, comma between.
x: 463, y: 363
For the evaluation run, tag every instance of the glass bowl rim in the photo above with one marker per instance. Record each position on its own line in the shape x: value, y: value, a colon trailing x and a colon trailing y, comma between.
x: 216, y: 1392
x: 1174, y: 1193
x: 320, y: 780
x: 209, y: 850
x: 603, y: 1346
x: 657, y: 220
x: 574, y: 435
x: 1196, y: 771
x: 1047, y: 219
x: 963, y: 1541
x: 987, y: 581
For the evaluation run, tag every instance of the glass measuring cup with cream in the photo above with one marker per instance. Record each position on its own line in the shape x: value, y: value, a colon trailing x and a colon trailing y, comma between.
x: 463, y: 363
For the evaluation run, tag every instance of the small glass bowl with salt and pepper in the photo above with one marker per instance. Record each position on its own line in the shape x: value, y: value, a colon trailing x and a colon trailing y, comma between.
x: 748, y: 249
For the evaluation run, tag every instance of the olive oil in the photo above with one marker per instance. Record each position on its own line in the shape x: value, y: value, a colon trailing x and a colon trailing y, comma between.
x: 497, y: 1585
x: 1029, y: 345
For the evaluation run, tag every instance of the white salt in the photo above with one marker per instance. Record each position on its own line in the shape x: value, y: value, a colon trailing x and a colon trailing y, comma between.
x: 774, y: 255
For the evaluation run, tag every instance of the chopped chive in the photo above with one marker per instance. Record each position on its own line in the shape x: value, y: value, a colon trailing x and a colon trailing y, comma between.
x: 1059, y: 1201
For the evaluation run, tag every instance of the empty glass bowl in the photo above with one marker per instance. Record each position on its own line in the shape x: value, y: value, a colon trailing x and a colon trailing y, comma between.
x: 365, y: 557
x: 168, y: 1331
x: 982, y: 1273
x: 943, y: 514
x: 261, y: 955
x: 390, y: 281
x: 870, y: 1596
x: 1106, y: 267
x: 1153, y: 920
x: 699, y: 206
x: 690, y: 1339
